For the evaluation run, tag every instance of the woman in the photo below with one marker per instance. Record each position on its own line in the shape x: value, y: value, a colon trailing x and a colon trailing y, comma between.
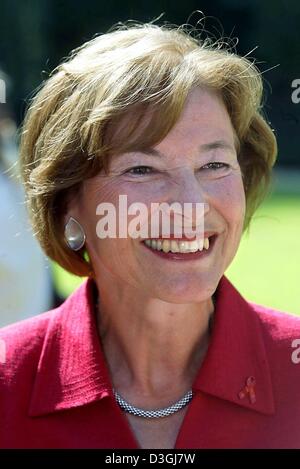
x: 156, y: 349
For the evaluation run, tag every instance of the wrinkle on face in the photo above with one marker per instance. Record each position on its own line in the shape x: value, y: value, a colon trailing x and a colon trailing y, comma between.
x: 179, y: 176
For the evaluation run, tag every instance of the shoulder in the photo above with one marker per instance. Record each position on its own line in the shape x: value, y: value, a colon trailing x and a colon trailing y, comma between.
x: 21, y: 345
x: 24, y: 344
x: 281, y: 332
x: 278, y: 324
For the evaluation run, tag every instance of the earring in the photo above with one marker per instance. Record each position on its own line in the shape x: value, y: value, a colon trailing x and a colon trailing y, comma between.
x: 74, y: 234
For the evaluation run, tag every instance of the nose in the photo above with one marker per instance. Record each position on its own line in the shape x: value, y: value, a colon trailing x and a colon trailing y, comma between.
x: 186, y: 188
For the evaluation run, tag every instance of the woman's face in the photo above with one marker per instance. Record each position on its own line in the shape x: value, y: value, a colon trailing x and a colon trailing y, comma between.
x: 185, y: 172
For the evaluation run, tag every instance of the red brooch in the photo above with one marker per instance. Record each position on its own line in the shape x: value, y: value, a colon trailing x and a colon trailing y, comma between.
x: 249, y: 389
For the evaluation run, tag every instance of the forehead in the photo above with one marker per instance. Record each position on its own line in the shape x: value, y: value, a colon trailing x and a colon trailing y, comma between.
x: 204, y: 116
x: 204, y: 124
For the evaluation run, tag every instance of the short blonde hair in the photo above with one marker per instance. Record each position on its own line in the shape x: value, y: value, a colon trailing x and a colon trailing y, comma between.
x: 74, y: 123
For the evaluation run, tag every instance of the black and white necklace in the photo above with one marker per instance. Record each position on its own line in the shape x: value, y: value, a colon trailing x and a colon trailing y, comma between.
x: 150, y: 414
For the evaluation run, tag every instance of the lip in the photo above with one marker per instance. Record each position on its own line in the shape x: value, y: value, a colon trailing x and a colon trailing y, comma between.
x: 192, y: 256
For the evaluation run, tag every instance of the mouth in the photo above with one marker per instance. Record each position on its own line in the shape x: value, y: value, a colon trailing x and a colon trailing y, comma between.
x: 179, y: 249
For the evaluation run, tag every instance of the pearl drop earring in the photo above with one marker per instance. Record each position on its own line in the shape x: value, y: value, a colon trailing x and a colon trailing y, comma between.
x: 74, y: 234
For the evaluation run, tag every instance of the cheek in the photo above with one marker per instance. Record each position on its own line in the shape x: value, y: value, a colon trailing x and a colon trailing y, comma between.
x: 96, y: 192
x: 99, y: 192
x: 228, y: 197
x: 137, y: 193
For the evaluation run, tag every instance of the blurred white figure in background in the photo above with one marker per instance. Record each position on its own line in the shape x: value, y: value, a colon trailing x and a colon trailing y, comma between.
x: 25, y: 275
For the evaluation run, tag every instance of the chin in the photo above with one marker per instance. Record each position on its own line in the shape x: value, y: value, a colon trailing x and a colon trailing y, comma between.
x: 192, y: 291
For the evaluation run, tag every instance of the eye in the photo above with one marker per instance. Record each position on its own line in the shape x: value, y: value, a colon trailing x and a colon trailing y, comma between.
x: 216, y: 165
x: 139, y: 170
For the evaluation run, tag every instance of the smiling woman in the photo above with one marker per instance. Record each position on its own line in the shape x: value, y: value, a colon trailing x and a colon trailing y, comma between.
x: 157, y: 340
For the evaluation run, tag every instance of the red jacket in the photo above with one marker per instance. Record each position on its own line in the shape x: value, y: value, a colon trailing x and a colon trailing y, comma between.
x: 55, y: 389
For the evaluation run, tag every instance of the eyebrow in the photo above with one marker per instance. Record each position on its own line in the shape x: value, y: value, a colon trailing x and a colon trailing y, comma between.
x: 217, y: 144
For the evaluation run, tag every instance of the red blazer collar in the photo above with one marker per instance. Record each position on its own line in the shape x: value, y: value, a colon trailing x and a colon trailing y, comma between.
x: 236, y: 353
x: 72, y: 370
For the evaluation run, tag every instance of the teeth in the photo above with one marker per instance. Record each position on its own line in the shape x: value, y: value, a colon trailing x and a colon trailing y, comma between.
x: 174, y: 246
x: 206, y: 243
x: 167, y: 245
x: 200, y: 244
x: 158, y: 245
x: 192, y: 246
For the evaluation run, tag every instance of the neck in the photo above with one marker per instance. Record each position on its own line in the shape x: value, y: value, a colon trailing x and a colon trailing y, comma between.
x: 150, y: 344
